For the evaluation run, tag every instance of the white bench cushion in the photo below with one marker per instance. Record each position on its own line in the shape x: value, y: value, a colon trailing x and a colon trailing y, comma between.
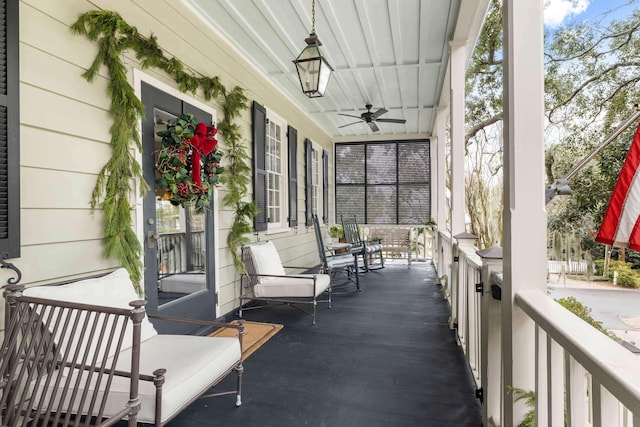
x: 209, y: 358
x: 112, y: 290
x: 293, y: 286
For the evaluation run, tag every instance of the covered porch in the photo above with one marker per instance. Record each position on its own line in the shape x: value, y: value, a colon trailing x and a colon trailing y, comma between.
x: 384, y: 356
x: 432, y: 344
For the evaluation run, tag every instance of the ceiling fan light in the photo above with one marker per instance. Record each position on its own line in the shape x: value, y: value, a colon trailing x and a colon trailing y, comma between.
x: 313, y: 69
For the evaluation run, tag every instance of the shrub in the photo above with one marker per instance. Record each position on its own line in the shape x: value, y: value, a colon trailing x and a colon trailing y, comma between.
x: 627, y: 277
x: 582, y: 311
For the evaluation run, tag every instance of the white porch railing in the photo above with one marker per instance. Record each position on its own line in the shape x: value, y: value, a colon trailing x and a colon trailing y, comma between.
x: 443, y: 257
x: 469, y: 302
x: 581, y: 375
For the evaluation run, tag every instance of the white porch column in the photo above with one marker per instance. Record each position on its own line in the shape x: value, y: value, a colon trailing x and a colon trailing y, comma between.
x: 439, y: 181
x: 524, y: 207
x: 457, y: 68
x: 440, y: 171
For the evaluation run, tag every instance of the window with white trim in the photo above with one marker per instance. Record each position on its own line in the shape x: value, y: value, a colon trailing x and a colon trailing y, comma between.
x: 276, y: 166
x: 316, y: 182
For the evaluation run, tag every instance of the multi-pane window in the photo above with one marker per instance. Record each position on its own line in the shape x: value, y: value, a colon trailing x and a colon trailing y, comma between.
x: 315, y: 181
x: 384, y: 182
x: 275, y: 152
x: 275, y: 181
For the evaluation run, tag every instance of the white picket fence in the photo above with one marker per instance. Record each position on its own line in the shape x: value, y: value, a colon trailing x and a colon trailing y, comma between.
x: 568, y: 267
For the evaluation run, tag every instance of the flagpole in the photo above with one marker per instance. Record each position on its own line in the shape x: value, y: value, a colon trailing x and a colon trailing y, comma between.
x: 561, y: 186
x: 621, y: 128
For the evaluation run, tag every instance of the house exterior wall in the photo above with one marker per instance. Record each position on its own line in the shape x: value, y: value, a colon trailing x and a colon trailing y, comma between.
x: 65, y: 135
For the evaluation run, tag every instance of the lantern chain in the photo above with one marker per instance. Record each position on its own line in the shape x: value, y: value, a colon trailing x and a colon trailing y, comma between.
x: 313, y: 16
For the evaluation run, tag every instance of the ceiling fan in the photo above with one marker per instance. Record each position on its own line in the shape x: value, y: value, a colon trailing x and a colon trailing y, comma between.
x: 370, y: 118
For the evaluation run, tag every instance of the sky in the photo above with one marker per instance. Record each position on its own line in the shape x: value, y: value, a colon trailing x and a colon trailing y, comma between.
x: 558, y: 12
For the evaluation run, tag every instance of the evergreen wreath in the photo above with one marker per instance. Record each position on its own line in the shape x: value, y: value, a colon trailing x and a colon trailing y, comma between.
x: 113, y: 187
x: 188, y: 163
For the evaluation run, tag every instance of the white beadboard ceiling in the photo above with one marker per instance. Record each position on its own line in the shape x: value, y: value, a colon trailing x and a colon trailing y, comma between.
x: 392, y: 54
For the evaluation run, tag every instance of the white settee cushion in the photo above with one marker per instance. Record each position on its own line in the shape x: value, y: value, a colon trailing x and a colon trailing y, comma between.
x: 266, y: 260
x: 193, y: 363
x: 112, y: 290
x: 208, y: 360
x: 293, y: 286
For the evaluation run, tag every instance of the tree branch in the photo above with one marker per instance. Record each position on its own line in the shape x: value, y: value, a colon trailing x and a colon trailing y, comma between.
x: 480, y: 126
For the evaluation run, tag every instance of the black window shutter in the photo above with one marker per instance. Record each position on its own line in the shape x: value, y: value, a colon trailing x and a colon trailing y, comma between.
x: 292, y: 142
x: 9, y: 131
x: 259, y: 166
x: 325, y: 186
x: 308, y: 182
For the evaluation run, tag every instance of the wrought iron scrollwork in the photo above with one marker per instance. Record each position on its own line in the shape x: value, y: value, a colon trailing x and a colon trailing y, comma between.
x: 10, y: 266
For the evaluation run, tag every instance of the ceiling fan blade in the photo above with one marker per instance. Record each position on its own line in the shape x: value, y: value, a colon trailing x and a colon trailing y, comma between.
x: 373, y: 126
x: 378, y: 113
x: 392, y: 120
x: 349, y: 115
x: 349, y: 124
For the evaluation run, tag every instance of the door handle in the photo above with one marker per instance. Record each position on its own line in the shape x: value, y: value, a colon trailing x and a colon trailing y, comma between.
x: 152, y: 237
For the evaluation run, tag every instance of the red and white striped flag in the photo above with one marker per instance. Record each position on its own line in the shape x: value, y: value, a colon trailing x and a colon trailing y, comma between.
x: 621, y: 223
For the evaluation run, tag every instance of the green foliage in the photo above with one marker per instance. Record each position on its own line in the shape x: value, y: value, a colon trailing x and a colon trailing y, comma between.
x: 592, y: 80
x: 582, y: 311
x: 336, y: 231
x: 626, y: 277
x: 529, y: 398
x: 483, y: 133
x: 591, y: 84
x: 113, y: 187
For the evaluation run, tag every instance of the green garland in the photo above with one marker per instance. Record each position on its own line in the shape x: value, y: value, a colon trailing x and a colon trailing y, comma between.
x: 113, y: 187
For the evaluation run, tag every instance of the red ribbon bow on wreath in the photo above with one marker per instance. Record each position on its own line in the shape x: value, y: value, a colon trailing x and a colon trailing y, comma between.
x: 203, y: 143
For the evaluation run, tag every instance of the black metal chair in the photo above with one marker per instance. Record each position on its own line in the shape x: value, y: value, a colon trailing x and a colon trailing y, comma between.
x: 333, y: 264
x: 371, y: 251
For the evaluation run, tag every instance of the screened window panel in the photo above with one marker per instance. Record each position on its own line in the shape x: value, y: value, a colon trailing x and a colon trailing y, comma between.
x: 414, y: 202
x: 350, y: 164
x: 397, y: 187
x: 381, y: 204
x: 414, y: 159
x: 381, y: 163
x: 350, y: 201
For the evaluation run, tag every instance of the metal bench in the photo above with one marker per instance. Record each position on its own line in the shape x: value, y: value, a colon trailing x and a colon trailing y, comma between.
x: 85, y: 353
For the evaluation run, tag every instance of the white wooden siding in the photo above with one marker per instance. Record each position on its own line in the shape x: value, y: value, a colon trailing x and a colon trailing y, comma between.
x: 65, y: 134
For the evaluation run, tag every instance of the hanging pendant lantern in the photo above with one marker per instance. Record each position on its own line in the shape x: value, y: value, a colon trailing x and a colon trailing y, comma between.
x: 313, y: 69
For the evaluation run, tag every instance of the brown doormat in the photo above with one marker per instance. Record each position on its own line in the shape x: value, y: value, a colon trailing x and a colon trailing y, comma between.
x: 255, y: 334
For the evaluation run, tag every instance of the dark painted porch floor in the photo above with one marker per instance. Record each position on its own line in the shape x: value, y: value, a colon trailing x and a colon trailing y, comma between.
x: 380, y: 357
